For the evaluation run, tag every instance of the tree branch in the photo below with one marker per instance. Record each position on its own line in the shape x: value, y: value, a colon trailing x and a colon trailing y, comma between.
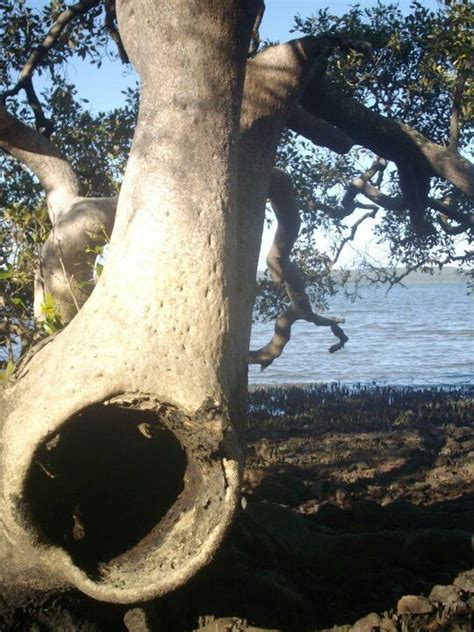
x: 448, y: 228
x: 456, y: 111
x: 353, y: 233
x: 443, y: 162
x: 399, y: 203
x: 318, y: 131
x: 40, y: 52
x: 43, y: 125
x: 255, y: 36
x: 417, y: 157
x: 465, y: 221
x: 109, y: 23
x: 44, y: 159
x: 282, y: 270
x: 349, y: 203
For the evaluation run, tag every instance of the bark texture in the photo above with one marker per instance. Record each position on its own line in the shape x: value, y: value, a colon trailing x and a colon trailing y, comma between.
x: 78, y: 223
x: 121, y: 453
x: 161, y: 316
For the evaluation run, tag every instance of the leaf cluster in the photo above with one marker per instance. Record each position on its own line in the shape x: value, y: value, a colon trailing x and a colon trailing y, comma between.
x: 417, y: 60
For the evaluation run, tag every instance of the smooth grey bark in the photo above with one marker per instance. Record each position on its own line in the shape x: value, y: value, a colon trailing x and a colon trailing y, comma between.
x: 79, y: 224
x: 52, y: 169
x: 166, y: 332
x: 68, y: 256
x: 156, y: 336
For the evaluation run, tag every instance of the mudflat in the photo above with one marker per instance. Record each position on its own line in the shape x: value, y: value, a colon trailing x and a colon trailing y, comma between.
x: 357, y: 512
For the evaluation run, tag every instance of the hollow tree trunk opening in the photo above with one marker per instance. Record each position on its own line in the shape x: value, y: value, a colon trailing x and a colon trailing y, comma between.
x: 126, y: 499
x: 100, y: 484
x: 164, y: 334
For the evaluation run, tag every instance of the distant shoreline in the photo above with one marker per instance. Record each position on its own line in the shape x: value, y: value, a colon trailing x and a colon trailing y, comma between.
x: 449, y: 274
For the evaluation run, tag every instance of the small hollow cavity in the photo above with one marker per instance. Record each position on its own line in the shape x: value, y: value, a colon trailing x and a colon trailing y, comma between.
x: 103, y: 482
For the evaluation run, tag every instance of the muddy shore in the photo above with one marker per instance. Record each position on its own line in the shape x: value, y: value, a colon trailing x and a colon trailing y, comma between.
x: 357, y: 512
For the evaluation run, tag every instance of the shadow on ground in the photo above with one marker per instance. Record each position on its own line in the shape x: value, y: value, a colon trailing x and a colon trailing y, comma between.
x: 352, y: 500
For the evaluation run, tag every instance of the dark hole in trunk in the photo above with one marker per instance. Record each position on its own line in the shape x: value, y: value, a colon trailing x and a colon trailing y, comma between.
x: 100, y: 484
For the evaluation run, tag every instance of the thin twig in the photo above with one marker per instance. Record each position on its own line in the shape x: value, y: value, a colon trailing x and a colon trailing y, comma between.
x: 353, y: 232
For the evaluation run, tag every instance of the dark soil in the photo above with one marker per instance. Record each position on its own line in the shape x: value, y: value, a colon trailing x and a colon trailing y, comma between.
x: 353, y: 500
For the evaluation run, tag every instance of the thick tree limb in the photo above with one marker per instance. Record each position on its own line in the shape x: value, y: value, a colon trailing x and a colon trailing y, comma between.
x: 45, y: 160
x: 282, y: 270
x: 255, y: 35
x: 319, y: 131
x: 69, y: 253
x: 443, y: 163
x: 79, y: 224
x: 399, y: 203
x: 274, y: 80
x: 417, y: 157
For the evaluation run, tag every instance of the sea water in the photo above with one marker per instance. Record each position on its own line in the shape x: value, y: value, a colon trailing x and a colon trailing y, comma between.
x: 422, y: 335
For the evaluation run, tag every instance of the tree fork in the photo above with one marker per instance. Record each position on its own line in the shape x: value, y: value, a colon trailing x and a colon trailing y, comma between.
x: 152, y: 358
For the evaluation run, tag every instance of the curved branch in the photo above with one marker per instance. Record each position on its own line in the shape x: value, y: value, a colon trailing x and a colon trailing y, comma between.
x: 448, y: 228
x: 349, y: 203
x: 255, y: 35
x: 69, y: 253
x: 442, y: 161
x: 45, y: 160
x: 79, y: 224
x: 358, y: 184
x: 274, y: 80
x: 399, y: 203
x: 412, y: 152
x: 42, y: 124
x: 49, y: 41
x: 458, y: 216
x: 282, y: 270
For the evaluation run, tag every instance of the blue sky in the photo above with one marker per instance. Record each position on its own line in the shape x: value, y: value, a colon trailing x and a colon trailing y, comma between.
x: 103, y: 87
x: 279, y: 13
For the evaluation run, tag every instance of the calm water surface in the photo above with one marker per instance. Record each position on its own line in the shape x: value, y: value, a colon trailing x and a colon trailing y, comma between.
x: 420, y: 336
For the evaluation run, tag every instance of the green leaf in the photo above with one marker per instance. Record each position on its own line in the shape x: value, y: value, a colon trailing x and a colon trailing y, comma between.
x: 16, y: 300
x: 6, y: 274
